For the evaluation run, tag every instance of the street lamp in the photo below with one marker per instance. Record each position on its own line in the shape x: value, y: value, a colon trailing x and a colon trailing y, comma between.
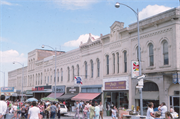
x: 22, y: 78
x: 55, y: 65
x: 4, y: 77
x: 117, y: 5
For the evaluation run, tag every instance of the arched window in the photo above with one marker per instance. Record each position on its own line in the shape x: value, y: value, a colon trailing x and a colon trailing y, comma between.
x: 107, y: 64
x: 51, y: 79
x: 41, y: 78
x: 113, y: 63
x: 77, y: 70
x: 150, y: 86
x: 61, y: 74
x: 68, y: 74
x: 58, y: 75
x: 48, y: 80
x: 98, y: 68
x: 91, y: 69
x: 85, y: 64
x: 151, y: 55
x: 125, y: 61
x: 165, y: 53
x: 72, y: 72
x: 54, y: 76
x: 117, y: 62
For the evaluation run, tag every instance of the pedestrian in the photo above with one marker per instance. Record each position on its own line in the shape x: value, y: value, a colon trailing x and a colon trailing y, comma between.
x: 53, y: 110
x: 34, y: 112
x: 91, y: 108
x: 97, y: 111
x: 23, y: 111
x: 18, y: 110
x: 85, y: 110
x: 114, y: 111
x: 173, y: 113
x: 48, y: 111
x: 3, y: 107
x: 41, y: 107
x: 157, y: 115
x: 163, y: 109
x: 168, y: 115
x: 14, y: 111
x: 150, y: 111
x: 58, y: 106
x: 101, y: 110
x: 77, y: 110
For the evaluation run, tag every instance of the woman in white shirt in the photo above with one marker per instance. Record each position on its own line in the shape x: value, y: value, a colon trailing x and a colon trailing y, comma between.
x: 150, y: 111
x: 14, y: 111
x: 163, y: 109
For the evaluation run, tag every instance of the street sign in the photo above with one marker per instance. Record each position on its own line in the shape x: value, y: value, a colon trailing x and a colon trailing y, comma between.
x: 140, y: 82
x: 139, y: 86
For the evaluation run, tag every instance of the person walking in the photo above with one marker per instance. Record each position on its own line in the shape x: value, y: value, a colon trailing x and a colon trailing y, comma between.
x: 163, y: 109
x: 34, y: 112
x: 23, y: 111
x: 58, y: 106
x: 3, y: 107
x: 150, y: 111
x: 85, y: 110
x: 101, y: 110
x: 53, y: 110
x: 114, y: 111
x: 168, y: 115
x: 97, y: 111
x: 77, y: 110
x: 41, y: 107
x: 91, y: 108
x: 48, y: 111
x: 14, y: 110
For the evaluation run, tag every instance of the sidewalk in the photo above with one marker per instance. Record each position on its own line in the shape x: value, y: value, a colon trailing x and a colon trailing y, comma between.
x: 73, y: 113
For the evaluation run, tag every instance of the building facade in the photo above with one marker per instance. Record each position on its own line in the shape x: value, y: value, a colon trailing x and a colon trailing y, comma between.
x: 106, y: 62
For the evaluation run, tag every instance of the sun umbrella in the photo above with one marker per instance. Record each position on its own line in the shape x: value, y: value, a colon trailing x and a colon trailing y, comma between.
x: 50, y: 99
x: 31, y: 100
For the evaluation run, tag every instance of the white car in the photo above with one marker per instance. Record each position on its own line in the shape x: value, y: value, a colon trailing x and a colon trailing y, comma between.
x: 63, y: 109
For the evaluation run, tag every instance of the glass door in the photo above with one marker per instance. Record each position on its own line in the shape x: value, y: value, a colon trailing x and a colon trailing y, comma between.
x: 176, y: 103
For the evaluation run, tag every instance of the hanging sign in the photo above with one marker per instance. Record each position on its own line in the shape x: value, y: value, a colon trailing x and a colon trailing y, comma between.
x: 78, y: 80
x: 175, y: 78
x: 134, y: 69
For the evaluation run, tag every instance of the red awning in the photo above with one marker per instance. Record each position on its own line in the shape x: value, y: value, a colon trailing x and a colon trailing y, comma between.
x: 85, y: 96
x: 52, y: 95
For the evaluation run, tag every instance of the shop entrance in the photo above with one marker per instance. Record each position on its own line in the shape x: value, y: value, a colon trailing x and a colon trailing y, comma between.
x: 175, y: 101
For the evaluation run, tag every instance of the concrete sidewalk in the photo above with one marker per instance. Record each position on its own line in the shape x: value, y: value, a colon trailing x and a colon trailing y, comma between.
x: 81, y: 115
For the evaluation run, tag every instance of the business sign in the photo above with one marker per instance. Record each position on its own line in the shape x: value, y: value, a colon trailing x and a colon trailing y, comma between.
x: 72, y: 90
x: 59, y: 89
x: 140, y: 82
x: 7, y: 89
x: 41, y: 88
x: 7, y: 93
x: 135, y: 69
x: 77, y: 80
x: 115, y: 85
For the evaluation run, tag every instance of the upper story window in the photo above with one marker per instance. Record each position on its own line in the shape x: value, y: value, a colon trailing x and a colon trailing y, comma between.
x: 41, y: 78
x: 51, y: 79
x: 91, y: 69
x: 117, y: 62
x: 48, y: 80
x: 85, y: 64
x: 54, y: 76
x: 68, y: 74
x: 72, y: 72
x: 107, y: 63
x: 151, y: 55
x: 98, y: 68
x: 125, y: 61
x: 165, y: 52
x: 77, y: 70
x: 113, y: 63
x: 58, y: 75
x: 61, y: 74
x: 45, y: 80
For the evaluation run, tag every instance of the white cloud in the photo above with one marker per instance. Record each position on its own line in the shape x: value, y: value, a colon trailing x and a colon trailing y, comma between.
x: 151, y: 10
x: 75, y: 4
x: 6, y: 3
x: 82, y: 38
x: 3, y: 39
x: 12, y: 55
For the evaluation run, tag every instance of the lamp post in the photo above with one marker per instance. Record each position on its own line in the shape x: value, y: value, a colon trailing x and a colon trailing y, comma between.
x: 22, y: 78
x: 55, y: 65
x: 117, y: 5
x: 4, y: 77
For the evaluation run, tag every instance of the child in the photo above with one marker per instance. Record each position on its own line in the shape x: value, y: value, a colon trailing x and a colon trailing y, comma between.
x: 157, y: 115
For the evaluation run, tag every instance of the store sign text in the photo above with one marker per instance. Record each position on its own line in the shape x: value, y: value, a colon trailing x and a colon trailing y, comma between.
x: 115, y: 85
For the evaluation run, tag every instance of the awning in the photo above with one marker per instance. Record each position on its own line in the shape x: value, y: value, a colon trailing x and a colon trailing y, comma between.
x: 52, y: 95
x: 67, y: 96
x: 148, y: 95
x: 85, y: 96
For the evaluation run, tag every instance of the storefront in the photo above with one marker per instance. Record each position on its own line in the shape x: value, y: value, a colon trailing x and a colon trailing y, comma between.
x: 7, y: 91
x: 116, y: 92
x: 89, y: 92
x: 41, y: 91
x: 60, y: 90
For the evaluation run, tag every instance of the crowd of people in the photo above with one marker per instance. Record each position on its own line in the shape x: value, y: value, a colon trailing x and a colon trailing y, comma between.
x: 161, y: 113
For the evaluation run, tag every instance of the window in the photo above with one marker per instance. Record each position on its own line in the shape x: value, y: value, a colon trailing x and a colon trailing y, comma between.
x: 125, y: 61
x: 48, y: 80
x: 85, y: 63
x: 54, y: 76
x: 58, y: 76
x: 68, y: 74
x: 107, y: 63
x: 61, y: 74
x: 51, y: 79
x: 151, y: 55
x: 165, y: 53
x: 72, y: 72
x: 44, y: 80
x: 41, y: 78
x: 117, y: 62
x: 98, y: 68
x: 78, y: 70
x: 91, y: 69
x: 137, y: 53
x: 113, y: 63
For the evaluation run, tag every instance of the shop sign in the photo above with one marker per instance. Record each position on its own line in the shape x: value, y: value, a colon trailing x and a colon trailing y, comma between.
x: 41, y: 88
x: 7, y: 89
x: 135, y: 69
x: 72, y: 89
x: 115, y: 85
x: 59, y: 89
x: 29, y: 92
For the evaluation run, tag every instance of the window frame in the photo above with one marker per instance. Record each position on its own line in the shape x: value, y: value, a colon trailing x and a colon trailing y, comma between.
x: 151, y: 56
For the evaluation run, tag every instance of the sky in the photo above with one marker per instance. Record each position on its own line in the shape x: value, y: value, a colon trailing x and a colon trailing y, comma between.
x: 62, y: 24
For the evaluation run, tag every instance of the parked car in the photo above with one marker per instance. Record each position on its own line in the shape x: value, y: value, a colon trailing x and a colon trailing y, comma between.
x: 63, y: 109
